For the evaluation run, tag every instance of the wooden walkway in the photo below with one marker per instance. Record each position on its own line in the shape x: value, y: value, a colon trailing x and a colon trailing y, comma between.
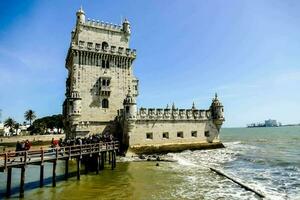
x: 97, y: 152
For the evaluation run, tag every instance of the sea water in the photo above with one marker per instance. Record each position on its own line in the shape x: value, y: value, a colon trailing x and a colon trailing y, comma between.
x: 266, y: 159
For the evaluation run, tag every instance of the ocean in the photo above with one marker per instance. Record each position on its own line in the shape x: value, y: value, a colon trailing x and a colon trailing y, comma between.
x: 266, y: 159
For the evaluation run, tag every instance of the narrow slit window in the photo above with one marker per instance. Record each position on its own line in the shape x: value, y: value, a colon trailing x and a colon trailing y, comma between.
x: 103, y: 64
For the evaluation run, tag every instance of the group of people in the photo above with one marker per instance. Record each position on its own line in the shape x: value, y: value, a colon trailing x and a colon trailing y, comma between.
x: 23, y: 146
x: 93, y: 139
x: 82, y: 140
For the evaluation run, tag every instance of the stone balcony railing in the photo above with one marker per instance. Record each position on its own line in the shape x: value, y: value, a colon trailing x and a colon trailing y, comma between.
x: 105, y: 88
x: 74, y: 95
x: 172, y: 114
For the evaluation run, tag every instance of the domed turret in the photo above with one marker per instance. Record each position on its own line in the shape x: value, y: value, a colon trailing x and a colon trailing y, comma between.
x: 80, y: 16
x: 126, y: 27
x: 130, y: 105
x: 217, y: 111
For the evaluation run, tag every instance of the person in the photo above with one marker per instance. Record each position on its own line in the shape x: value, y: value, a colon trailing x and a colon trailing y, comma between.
x: 27, y: 145
x: 22, y: 145
x: 54, y: 143
x: 18, y: 147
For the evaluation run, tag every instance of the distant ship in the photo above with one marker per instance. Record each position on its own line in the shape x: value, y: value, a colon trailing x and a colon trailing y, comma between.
x: 267, y: 123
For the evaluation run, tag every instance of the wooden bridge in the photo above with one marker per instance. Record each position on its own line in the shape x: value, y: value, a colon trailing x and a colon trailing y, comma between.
x: 97, y: 152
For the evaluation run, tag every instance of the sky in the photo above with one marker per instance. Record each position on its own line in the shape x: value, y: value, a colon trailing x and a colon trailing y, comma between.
x: 246, y: 51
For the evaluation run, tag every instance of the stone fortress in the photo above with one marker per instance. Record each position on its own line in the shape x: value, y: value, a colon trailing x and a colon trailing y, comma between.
x: 101, y: 92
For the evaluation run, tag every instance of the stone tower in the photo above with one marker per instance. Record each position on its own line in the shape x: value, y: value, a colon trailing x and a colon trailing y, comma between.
x: 100, y: 74
x: 217, y: 111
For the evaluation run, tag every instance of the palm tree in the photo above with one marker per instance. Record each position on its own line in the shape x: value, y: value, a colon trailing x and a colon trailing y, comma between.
x: 29, y: 116
x: 16, y: 126
x: 9, y: 122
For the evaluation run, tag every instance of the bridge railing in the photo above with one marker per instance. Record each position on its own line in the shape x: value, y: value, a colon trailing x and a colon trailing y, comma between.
x: 44, y: 154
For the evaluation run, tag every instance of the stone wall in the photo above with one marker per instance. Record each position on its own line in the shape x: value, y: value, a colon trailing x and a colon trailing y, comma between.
x: 150, y: 132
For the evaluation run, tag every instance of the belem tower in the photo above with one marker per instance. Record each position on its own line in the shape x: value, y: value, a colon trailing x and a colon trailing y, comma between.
x: 101, y: 92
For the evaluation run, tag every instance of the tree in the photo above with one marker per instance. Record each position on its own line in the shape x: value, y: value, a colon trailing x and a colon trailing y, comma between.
x: 16, y: 126
x: 29, y: 116
x: 9, y: 122
x: 40, y: 126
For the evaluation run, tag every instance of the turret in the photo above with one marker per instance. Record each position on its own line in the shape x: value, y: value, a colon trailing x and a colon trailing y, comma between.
x: 217, y: 112
x: 130, y: 106
x: 126, y: 27
x: 80, y: 16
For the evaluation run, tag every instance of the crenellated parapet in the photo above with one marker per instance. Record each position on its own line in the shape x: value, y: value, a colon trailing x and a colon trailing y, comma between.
x: 172, y: 114
x: 102, y: 25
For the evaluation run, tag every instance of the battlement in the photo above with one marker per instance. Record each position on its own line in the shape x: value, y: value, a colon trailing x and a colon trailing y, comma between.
x: 172, y: 114
x: 104, y: 48
x: 103, y: 25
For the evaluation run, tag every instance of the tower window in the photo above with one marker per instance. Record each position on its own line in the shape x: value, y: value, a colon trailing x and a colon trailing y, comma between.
x: 127, y: 109
x: 206, y: 133
x: 97, y: 46
x: 149, y: 136
x: 105, y: 103
x: 180, y: 134
x: 104, y: 45
x: 89, y: 45
x: 103, y: 64
x: 81, y: 43
x: 194, y: 133
x: 105, y: 82
x: 166, y: 135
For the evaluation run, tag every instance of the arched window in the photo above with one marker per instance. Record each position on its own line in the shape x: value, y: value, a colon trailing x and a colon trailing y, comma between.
x: 104, y: 103
x: 104, y: 45
x: 103, y: 64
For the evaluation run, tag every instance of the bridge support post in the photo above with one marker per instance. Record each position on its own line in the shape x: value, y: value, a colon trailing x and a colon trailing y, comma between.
x: 22, y: 182
x: 112, y: 161
x: 8, y: 183
x: 67, y: 169
x: 78, y: 168
x: 42, y: 175
x: 109, y: 157
x: 115, y: 162
x: 102, y: 160
x: 97, y: 164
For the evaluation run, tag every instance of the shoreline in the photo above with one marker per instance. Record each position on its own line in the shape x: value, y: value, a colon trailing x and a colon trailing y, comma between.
x: 168, y: 148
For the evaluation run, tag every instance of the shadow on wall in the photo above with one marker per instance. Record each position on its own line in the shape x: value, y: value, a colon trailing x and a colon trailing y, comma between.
x: 96, y: 100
